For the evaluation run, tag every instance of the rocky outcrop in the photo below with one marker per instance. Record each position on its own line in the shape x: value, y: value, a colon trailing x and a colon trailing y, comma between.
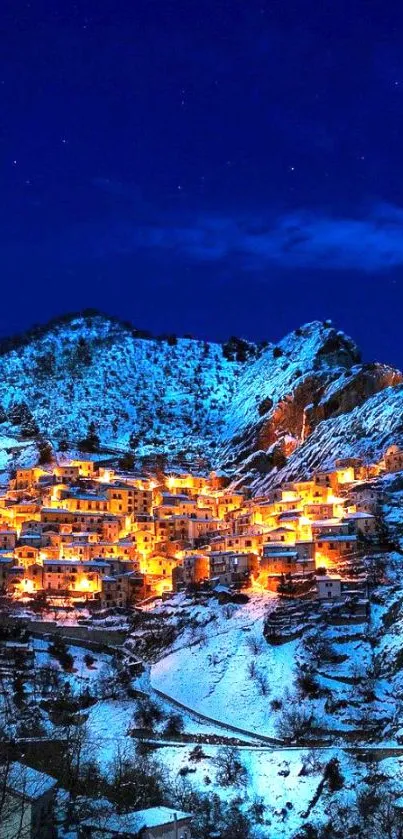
x: 314, y: 377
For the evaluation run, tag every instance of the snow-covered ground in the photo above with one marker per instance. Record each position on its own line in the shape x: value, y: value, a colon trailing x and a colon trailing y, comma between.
x: 213, y: 677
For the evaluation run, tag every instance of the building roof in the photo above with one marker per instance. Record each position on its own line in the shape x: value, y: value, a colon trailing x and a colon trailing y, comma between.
x: 359, y: 516
x: 131, y: 823
x: 86, y: 496
x: 281, y: 530
x: 327, y: 522
x: 92, y: 563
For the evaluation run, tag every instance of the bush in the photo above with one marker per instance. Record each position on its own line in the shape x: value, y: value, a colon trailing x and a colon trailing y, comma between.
x: 296, y: 722
x: 333, y: 775
x: 255, y: 644
x: 45, y: 453
x: 174, y: 726
x: 230, y: 769
x: 126, y: 462
x: 147, y: 714
x: 90, y: 443
x: 197, y: 754
x: 237, y: 349
x: 307, y: 683
x: 277, y: 352
x: 58, y: 648
x: 263, y: 684
x: 265, y: 406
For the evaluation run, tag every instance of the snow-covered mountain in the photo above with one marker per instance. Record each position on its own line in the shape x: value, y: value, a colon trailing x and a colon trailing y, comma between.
x: 261, y: 413
x: 169, y: 394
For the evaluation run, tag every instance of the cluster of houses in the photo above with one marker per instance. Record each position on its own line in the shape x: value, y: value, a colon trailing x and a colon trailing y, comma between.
x: 86, y: 531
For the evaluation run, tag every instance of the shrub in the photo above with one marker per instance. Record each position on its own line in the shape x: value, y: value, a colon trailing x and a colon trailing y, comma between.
x: 277, y: 352
x: 90, y: 443
x: 230, y: 769
x: 45, y: 453
x: 296, y: 722
x: 307, y: 683
x: 333, y: 775
x: 147, y: 714
x: 126, y: 462
x: 174, y: 726
x: 265, y: 406
x: 263, y: 684
x: 59, y: 650
x: 237, y: 349
x: 197, y: 754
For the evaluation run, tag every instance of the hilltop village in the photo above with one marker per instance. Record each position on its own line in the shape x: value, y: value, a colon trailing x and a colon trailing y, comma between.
x: 81, y: 531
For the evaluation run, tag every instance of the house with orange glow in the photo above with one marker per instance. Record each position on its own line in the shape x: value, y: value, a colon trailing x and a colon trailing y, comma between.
x: 27, y: 478
x: 75, y: 578
x: 245, y: 543
x: 281, y: 534
x: 124, y: 499
x: 85, y: 502
x: 330, y: 550
x: 26, y: 555
x: 199, y: 527
x: 196, y: 568
x: 66, y: 473
x: 158, y: 565
x: 86, y: 468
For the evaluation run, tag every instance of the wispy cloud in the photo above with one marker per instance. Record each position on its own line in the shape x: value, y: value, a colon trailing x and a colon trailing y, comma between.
x: 306, y: 240
x: 371, y: 243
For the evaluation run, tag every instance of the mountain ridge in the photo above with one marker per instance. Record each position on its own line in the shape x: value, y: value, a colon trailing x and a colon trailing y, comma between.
x: 248, y: 409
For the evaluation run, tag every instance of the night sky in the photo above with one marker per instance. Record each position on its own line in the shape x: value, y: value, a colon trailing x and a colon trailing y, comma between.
x: 214, y: 166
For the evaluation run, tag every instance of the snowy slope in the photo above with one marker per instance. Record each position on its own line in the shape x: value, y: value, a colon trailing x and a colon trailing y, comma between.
x: 186, y: 397
x: 93, y: 369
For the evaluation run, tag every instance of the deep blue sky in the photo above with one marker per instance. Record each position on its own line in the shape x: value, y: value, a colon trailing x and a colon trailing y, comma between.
x: 204, y: 166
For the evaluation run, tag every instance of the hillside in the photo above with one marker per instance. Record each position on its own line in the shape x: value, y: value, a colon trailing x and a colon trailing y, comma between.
x: 259, y: 413
x: 169, y: 394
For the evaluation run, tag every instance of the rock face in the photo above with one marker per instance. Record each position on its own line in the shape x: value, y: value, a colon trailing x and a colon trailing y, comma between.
x: 365, y: 432
x: 313, y: 375
x: 255, y: 412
